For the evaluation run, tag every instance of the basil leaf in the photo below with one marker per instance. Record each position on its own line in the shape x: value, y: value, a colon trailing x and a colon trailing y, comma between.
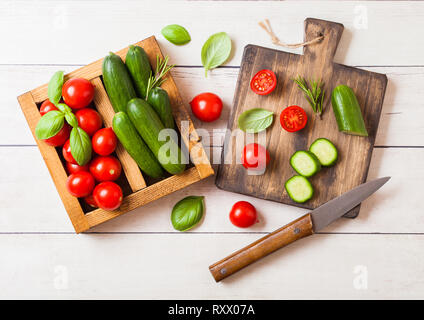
x: 80, y: 146
x: 176, y: 34
x: 187, y: 213
x: 215, y: 51
x: 49, y: 124
x: 71, y: 119
x: 63, y: 107
x: 255, y: 120
x: 54, y: 90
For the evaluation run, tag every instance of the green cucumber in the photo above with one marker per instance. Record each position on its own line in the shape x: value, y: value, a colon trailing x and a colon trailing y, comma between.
x: 135, y: 146
x: 299, y: 189
x: 117, y: 82
x: 148, y: 125
x: 159, y: 100
x: 139, y: 67
x: 347, y: 111
x: 305, y: 163
x: 325, y: 151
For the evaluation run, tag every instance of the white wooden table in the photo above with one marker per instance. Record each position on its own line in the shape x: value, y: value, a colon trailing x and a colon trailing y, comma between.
x: 139, y: 255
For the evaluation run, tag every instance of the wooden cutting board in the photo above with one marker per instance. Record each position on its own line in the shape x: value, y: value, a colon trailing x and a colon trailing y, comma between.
x: 315, y: 63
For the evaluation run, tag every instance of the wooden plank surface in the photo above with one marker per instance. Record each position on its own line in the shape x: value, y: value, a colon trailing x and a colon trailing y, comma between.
x: 124, y: 266
x: 386, y: 237
x: 316, y: 63
x: 402, y: 104
x: 375, y: 25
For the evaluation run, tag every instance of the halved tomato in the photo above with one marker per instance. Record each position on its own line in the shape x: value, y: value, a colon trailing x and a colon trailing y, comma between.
x: 264, y: 82
x: 293, y: 118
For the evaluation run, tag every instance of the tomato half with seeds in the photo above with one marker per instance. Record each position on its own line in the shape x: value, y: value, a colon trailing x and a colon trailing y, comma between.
x: 264, y: 82
x: 293, y: 119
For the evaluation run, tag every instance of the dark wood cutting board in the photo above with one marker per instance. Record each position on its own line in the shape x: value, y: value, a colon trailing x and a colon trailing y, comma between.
x: 315, y: 63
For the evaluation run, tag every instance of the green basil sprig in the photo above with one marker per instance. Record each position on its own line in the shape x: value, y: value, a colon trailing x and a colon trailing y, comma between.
x: 215, y: 51
x: 187, y: 213
x: 255, y: 120
x: 54, y: 91
x: 50, y: 124
x: 176, y: 34
x: 80, y: 143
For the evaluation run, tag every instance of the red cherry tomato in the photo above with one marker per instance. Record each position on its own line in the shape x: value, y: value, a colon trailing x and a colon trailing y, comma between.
x: 74, y: 168
x: 206, y: 106
x: 104, y: 141
x: 255, y: 156
x: 105, y: 168
x: 293, y: 118
x: 60, y: 138
x: 80, y: 184
x: 47, y: 106
x: 78, y: 93
x: 90, y: 201
x: 264, y: 82
x: 108, y: 195
x: 66, y: 152
x: 89, y: 120
x: 243, y: 214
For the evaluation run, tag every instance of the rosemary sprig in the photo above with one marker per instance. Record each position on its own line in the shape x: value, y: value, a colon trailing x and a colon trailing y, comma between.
x: 314, y: 93
x: 157, y: 78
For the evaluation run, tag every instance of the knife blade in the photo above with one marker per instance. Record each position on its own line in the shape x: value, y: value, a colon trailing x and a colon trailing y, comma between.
x: 306, y: 225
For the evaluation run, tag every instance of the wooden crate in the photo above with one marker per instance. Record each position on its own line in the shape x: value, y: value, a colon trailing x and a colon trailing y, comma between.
x: 141, y: 194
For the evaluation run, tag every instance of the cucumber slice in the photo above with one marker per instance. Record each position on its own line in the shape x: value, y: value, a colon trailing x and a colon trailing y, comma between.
x: 299, y: 189
x: 305, y: 163
x: 325, y: 151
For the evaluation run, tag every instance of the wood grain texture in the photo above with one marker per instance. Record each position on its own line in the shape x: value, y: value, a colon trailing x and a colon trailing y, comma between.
x: 92, y: 72
x: 298, y: 229
x: 129, y: 166
x: 316, y: 63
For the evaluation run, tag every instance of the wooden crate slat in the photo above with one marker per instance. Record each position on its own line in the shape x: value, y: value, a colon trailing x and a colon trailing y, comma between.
x: 146, y: 195
x: 129, y: 166
x: 54, y: 164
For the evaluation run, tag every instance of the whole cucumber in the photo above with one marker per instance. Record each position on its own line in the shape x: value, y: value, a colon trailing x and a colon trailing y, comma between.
x: 158, y: 98
x: 347, y: 111
x: 117, y: 82
x: 135, y: 146
x: 149, y: 126
x: 139, y: 67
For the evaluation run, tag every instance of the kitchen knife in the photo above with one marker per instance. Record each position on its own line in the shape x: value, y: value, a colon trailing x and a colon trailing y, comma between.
x: 304, y: 226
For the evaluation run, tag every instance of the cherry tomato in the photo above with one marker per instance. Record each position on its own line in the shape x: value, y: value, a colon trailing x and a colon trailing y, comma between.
x: 90, y: 201
x: 106, y: 168
x: 104, y: 141
x: 89, y: 120
x: 74, y: 168
x: 293, y: 118
x: 108, y: 195
x: 47, y: 106
x: 80, y: 184
x: 206, y: 106
x: 60, y: 138
x: 255, y: 156
x: 243, y: 214
x: 264, y: 82
x: 66, y: 151
x: 78, y: 93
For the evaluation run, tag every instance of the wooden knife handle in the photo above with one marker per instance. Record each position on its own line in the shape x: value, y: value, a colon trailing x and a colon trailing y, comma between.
x: 291, y: 232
